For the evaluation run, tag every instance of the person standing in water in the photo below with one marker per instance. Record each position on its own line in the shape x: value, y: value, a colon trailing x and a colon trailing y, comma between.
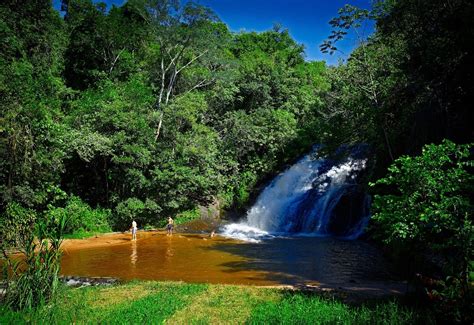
x: 169, y: 226
x: 134, y: 230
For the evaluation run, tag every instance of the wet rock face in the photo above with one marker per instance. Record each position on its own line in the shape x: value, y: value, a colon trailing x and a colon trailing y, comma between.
x: 199, y: 226
x: 348, y: 213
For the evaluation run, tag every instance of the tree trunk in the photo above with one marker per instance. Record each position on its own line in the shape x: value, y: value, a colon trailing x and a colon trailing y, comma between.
x: 106, y: 181
x: 157, y: 135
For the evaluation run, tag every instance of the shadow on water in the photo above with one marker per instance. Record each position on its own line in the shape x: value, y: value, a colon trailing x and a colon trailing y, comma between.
x: 325, y: 262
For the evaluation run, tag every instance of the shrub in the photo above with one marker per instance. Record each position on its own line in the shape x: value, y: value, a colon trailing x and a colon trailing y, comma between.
x: 187, y: 216
x: 430, y: 210
x: 135, y: 209
x: 82, y: 218
x: 246, y: 182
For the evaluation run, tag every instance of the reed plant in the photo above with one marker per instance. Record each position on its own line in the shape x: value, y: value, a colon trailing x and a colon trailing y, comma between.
x: 31, y: 272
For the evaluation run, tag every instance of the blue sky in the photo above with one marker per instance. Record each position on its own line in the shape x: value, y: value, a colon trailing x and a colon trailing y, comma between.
x: 306, y: 20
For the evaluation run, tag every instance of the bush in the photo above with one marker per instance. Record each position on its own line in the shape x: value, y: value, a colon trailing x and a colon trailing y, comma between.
x: 246, y: 183
x: 135, y: 209
x: 430, y: 210
x: 16, y: 225
x: 187, y: 216
x: 82, y: 218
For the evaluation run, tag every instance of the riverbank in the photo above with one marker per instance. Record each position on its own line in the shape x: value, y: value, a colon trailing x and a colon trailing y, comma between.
x: 179, y: 303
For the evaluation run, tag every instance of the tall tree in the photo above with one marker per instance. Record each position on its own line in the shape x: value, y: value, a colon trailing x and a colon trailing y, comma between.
x: 186, y: 36
x: 30, y: 96
x: 102, y: 43
x: 406, y: 85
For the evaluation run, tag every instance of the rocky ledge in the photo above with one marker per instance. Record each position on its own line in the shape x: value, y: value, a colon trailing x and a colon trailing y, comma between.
x: 78, y: 281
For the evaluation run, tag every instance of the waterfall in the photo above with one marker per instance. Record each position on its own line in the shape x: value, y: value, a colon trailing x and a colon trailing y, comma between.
x: 315, y: 197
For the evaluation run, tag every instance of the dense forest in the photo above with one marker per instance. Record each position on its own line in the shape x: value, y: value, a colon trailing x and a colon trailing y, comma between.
x: 154, y: 108
x: 148, y: 109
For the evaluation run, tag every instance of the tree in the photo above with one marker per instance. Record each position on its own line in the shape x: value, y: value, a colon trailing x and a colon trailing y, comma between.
x: 102, y: 44
x: 364, y: 65
x: 405, y: 85
x: 186, y: 36
x: 31, y: 62
x: 437, y: 61
x: 111, y: 142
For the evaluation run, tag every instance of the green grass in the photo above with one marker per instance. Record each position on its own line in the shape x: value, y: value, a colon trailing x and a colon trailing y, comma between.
x: 179, y: 303
x: 300, y: 308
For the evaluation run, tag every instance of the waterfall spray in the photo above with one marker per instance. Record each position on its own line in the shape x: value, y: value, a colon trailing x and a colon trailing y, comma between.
x: 305, y: 199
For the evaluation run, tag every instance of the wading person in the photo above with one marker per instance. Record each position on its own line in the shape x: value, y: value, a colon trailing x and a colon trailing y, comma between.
x: 134, y: 230
x: 169, y: 226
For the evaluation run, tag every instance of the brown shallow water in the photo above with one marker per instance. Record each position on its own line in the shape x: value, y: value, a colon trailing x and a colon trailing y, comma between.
x: 155, y: 256
x: 324, y: 262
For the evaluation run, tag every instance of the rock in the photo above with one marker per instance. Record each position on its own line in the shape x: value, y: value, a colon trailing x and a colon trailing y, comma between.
x: 79, y: 282
x: 349, y: 211
x: 212, y: 211
x: 73, y: 282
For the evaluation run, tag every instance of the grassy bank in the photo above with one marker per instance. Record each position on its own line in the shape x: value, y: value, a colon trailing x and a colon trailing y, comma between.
x: 178, y: 303
x: 80, y: 234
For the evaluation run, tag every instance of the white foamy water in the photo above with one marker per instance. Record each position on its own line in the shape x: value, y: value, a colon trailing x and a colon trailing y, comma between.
x: 243, y: 231
x: 301, y: 200
x: 268, y: 213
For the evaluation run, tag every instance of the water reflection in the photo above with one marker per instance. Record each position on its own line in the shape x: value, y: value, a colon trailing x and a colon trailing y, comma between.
x: 134, y: 255
x: 169, y: 249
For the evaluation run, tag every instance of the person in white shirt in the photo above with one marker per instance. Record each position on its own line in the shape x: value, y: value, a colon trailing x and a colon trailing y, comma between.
x: 134, y: 230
